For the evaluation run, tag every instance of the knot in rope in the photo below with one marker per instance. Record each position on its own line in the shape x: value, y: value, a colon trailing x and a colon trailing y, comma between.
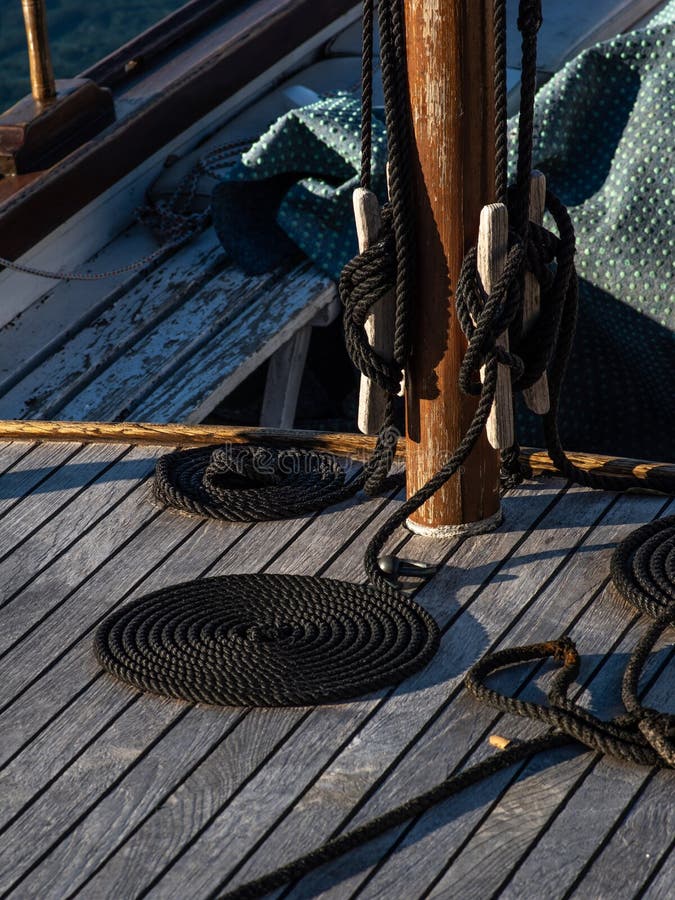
x: 248, y: 483
x: 530, y: 17
x: 643, y: 572
x: 365, y: 280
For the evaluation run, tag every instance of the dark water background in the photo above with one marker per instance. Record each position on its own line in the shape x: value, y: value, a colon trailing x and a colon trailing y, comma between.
x: 80, y: 34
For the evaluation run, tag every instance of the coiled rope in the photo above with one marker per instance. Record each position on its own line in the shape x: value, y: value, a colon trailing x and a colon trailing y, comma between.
x: 250, y: 640
x: 643, y: 571
x: 266, y: 640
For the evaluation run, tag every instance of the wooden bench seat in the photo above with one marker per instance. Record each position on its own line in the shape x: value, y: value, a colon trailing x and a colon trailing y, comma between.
x: 168, y: 344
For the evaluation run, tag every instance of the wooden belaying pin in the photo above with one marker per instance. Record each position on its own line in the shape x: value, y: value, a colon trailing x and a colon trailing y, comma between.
x: 536, y: 397
x: 380, y: 323
x: 493, y: 245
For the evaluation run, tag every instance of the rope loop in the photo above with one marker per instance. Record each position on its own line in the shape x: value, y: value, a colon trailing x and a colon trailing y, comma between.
x: 242, y: 483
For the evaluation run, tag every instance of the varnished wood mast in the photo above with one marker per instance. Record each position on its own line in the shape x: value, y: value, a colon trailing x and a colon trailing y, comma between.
x: 450, y: 62
x: 357, y: 446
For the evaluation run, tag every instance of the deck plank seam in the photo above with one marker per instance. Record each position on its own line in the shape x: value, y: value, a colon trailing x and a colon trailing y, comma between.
x: 21, y: 749
x: 516, y: 775
x: 53, y: 609
x: 586, y: 867
x: 139, y: 485
x: 111, y: 787
x: 349, y: 738
x: 596, y: 758
x: 654, y: 874
x: 378, y: 784
x: 195, y: 837
x: 31, y: 446
x: 71, y: 499
x: 373, y: 514
x: 87, y: 632
x: 45, y: 787
x: 162, y: 800
x: 77, y: 386
x: 98, y: 309
x: 41, y: 481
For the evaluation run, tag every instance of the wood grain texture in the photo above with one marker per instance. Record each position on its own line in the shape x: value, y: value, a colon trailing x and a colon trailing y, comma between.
x: 234, y: 348
x: 28, y: 470
x: 109, y: 794
x: 40, y: 569
x: 356, y: 446
x: 493, y: 245
x: 435, y: 840
x: 282, y: 383
x: 452, y: 108
x: 56, y: 490
x: 536, y: 397
x: 78, y: 350
x: 380, y: 323
x: 105, y: 826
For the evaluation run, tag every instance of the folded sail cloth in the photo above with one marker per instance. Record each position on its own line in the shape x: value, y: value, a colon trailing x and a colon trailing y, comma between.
x: 605, y: 138
x: 293, y: 188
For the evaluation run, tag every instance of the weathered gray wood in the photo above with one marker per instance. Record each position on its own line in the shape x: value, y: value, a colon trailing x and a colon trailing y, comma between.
x: 639, y: 842
x: 282, y: 384
x: 237, y: 349
x: 536, y: 397
x: 464, y: 724
x: 54, y: 493
x: 319, y: 528
x: 68, y: 307
x: 661, y: 887
x: 120, y: 324
x: 510, y: 587
x: 39, y: 571
x: 12, y: 451
x: 591, y: 796
x: 357, y: 766
x: 493, y: 245
x: 29, y: 469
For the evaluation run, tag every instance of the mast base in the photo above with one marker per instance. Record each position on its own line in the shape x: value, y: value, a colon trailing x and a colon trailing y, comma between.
x: 465, y: 529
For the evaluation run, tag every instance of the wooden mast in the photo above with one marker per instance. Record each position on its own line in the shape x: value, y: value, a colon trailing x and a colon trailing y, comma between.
x: 450, y: 59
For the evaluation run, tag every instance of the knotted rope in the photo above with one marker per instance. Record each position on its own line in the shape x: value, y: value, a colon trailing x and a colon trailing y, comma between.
x: 643, y: 569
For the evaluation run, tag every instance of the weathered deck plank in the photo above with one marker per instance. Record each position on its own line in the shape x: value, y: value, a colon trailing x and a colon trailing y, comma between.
x: 26, y: 470
x: 110, y: 793
x: 462, y: 726
x: 81, y: 842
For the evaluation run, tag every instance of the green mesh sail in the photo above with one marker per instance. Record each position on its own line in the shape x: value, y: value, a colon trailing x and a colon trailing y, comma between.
x: 604, y: 137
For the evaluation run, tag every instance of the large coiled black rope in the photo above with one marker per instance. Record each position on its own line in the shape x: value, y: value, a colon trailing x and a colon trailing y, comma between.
x: 266, y: 640
x: 269, y: 640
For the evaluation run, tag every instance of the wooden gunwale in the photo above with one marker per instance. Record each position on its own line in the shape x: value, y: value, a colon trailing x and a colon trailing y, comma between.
x: 358, y: 446
x: 258, y: 37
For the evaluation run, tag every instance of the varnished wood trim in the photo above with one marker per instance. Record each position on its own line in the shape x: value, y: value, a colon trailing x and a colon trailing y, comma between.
x: 358, y: 446
x: 259, y: 36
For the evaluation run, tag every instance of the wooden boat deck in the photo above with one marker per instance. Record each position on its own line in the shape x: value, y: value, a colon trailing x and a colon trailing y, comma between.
x: 110, y: 793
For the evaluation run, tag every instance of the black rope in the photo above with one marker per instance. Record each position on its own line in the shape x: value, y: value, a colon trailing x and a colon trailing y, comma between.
x: 266, y: 640
x: 643, y: 569
x: 241, y: 483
